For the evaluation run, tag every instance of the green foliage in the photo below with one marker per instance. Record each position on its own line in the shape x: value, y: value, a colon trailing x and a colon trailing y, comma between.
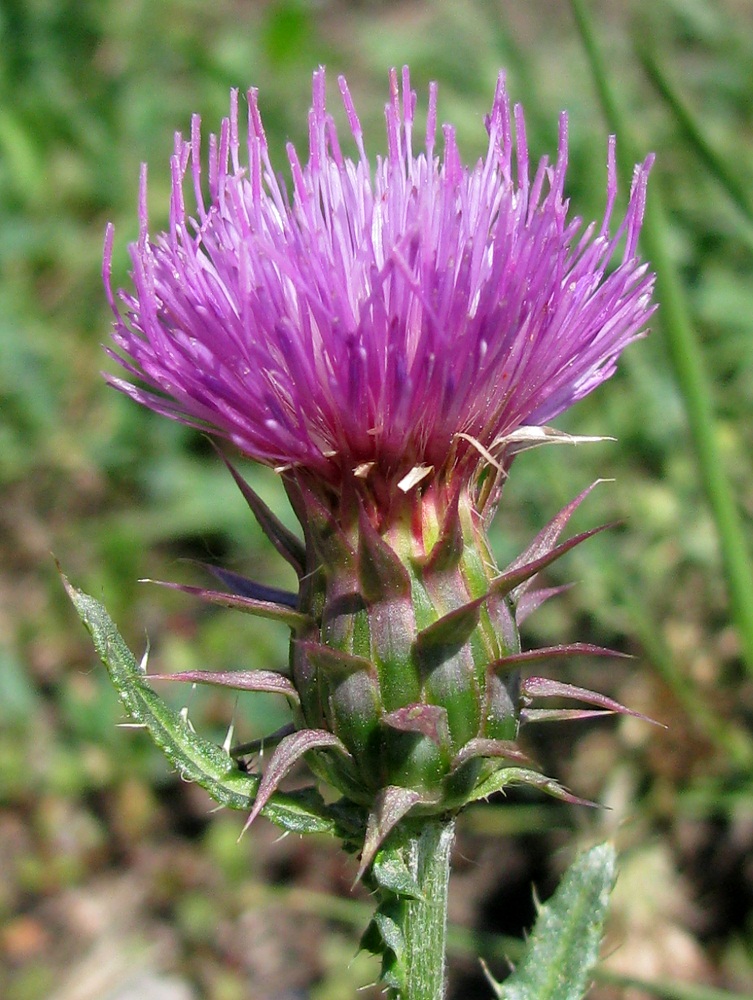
x: 564, y: 945
x: 195, y: 758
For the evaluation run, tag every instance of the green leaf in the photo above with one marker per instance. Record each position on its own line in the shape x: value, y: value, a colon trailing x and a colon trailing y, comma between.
x: 196, y: 759
x: 564, y: 945
x: 388, y: 918
x: 390, y: 872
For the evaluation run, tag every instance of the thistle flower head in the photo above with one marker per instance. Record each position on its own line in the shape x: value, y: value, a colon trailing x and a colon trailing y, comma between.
x: 396, y: 321
x: 387, y: 336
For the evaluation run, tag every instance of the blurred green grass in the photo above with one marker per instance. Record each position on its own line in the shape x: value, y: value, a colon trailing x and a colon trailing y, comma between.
x: 90, y: 89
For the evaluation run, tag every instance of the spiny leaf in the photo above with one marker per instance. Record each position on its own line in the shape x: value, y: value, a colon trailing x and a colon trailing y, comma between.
x: 195, y: 758
x: 392, y: 974
x: 564, y: 945
x: 387, y: 920
x: 390, y: 872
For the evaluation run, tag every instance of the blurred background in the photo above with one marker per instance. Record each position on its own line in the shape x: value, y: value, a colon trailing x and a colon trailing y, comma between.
x: 117, y: 880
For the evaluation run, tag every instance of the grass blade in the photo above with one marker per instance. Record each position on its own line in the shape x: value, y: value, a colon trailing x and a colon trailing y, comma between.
x: 692, y: 131
x: 687, y: 359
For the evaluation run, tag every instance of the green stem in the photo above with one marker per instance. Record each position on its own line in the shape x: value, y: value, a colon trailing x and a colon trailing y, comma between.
x: 424, y: 923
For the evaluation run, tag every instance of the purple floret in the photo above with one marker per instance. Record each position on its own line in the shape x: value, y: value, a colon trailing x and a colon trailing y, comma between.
x: 371, y: 315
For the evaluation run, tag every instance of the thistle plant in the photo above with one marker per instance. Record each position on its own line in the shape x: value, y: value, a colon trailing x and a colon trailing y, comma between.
x: 387, y: 337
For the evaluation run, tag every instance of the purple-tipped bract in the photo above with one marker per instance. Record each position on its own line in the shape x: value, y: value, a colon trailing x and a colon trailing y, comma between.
x: 365, y: 319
